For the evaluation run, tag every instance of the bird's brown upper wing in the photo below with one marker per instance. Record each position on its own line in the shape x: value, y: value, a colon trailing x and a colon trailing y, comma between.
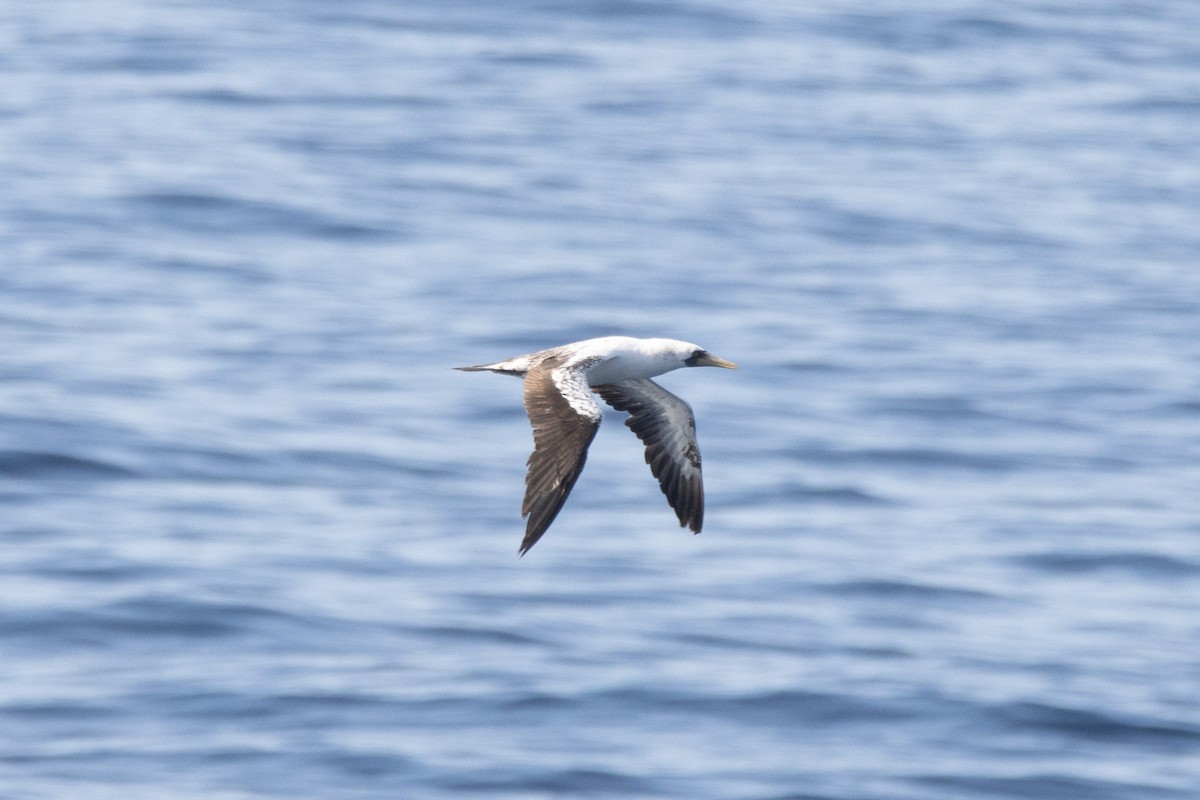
x: 565, y: 419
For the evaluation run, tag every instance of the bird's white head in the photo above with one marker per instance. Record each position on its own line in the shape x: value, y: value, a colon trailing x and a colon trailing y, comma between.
x: 699, y: 357
x: 693, y: 355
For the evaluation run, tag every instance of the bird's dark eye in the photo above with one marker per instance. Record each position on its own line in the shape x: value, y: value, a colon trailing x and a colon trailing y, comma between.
x: 696, y: 356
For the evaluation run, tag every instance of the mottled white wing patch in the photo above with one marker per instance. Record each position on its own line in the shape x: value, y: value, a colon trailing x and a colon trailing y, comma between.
x: 571, y: 383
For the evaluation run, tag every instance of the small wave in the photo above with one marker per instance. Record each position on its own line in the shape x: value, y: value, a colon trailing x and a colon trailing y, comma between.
x: 153, y: 617
x: 812, y: 366
x: 219, y: 213
x: 810, y: 495
x: 1033, y: 787
x: 1078, y: 723
x: 541, y: 58
x: 783, y: 707
x: 1147, y: 564
x: 358, y: 462
x: 95, y: 569
x: 59, y: 711
x: 941, y: 408
x: 231, y: 97
x: 840, y: 495
x: 572, y: 782
x: 1183, y: 105
x: 196, y: 463
x: 918, y: 457
x: 766, y: 708
x: 482, y: 635
x: 1187, y: 406
x: 41, y: 464
x: 713, y: 21
x: 369, y: 764
x: 904, y: 590
x: 148, y: 63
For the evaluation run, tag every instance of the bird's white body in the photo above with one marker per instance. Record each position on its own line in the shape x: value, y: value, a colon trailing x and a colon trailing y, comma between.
x: 628, y: 358
x: 614, y: 358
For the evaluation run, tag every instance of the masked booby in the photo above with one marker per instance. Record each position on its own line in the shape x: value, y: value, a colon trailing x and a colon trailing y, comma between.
x: 559, y: 383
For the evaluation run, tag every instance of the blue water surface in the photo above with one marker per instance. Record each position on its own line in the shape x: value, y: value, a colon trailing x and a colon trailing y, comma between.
x: 260, y: 541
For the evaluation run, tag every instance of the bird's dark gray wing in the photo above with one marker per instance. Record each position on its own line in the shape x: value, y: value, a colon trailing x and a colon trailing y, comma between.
x: 666, y: 426
x: 565, y: 419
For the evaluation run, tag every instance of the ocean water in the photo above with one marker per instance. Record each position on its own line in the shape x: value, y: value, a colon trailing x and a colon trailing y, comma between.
x: 260, y: 541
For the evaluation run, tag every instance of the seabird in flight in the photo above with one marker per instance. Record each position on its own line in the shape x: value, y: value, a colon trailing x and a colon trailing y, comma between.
x: 558, y: 398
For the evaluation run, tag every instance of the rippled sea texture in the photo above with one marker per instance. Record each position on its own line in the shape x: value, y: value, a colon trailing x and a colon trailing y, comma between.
x: 260, y: 541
